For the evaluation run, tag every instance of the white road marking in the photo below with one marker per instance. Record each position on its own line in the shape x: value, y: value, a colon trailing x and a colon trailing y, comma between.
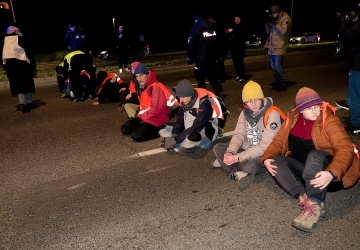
x: 162, y: 150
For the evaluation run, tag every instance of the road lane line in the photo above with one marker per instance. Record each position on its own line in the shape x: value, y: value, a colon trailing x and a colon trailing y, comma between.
x: 162, y: 150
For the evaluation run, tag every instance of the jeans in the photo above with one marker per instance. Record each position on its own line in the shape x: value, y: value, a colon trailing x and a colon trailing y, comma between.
x: 353, y: 97
x: 25, y: 98
x: 277, y: 69
x: 294, y: 177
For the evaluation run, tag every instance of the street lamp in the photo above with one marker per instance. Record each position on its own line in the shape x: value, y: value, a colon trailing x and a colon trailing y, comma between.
x: 291, y: 16
x: 12, y: 9
x: 114, y: 25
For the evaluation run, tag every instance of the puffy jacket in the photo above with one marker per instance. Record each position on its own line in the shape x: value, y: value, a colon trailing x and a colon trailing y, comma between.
x: 266, y: 134
x: 328, y: 134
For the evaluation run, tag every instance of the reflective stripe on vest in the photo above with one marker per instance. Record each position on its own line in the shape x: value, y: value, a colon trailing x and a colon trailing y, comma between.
x: 217, y: 112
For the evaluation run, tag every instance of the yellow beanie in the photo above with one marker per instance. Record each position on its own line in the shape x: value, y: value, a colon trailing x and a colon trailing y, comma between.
x: 252, y: 90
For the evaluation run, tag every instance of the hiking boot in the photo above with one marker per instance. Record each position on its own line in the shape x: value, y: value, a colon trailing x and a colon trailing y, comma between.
x: 310, y: 214
x: 342, y: 104
x: 216, y: 164
x: 243, y: 179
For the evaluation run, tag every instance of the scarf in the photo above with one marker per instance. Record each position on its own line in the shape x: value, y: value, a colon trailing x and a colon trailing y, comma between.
x: 252, y: 118
x: 188, y: 106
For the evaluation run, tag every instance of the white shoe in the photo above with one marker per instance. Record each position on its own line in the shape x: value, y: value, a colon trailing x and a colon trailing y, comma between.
x: 120, y: 71
x: 238, y: 175
x: 216, y: 164
x: 127, y: 70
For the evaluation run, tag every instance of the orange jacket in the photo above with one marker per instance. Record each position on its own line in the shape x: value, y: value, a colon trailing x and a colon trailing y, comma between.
x: 109, y: 76
x: 145, y: 101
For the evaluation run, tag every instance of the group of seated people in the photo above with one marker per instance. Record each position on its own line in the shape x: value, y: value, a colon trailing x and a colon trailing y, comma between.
x: 305, y: 151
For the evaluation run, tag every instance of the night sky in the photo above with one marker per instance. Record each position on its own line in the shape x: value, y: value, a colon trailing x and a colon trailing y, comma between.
x: 165, y: 27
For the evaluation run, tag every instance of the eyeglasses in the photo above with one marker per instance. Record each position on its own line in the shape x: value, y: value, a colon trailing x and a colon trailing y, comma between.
x: 252, y: 101
x: 311, y: 109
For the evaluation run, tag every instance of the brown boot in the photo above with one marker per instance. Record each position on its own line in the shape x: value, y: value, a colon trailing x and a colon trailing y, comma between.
x: 311, y: 212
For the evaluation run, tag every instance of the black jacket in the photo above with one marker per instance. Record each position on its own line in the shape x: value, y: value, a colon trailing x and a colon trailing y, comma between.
x: 350, y: 34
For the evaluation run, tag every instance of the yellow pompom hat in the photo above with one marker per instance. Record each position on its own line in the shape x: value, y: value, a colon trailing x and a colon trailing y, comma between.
x: 252, y: 90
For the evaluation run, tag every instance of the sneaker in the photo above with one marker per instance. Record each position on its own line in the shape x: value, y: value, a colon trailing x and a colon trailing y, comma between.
x: 127, y: 70
x: 63, y: 95
x: 237, y: 78
x: 242, y: 80
x: 120, y: 71
x: 353, y: 130
x: 342, y: 104
x: 309, y: 216
x: 216, y: 164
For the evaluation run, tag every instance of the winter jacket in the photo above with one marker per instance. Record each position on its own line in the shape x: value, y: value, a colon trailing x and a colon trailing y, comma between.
x: 279, y: 34
x: 153, y: 103
x: 202, y: 42
x: 266, y: 134
x: 328, y: 134
x: 202, y: 117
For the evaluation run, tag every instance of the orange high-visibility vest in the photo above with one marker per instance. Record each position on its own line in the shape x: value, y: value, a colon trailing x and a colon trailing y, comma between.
x: 217, y: 112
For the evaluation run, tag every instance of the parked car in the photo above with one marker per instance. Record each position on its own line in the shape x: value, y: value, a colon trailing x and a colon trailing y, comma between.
x: 306, y: 37
x: 253, y: 40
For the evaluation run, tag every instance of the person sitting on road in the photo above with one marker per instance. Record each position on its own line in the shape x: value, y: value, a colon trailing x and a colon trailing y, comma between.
x: 240, y: 158
x: 109, y: 85
x: 311, y: 151
x: 152, y: 113
x: 130, y: 97
x: 196, y: 127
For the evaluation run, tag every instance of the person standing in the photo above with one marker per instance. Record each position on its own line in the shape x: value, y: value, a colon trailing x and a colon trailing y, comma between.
x: 310, y: 152
x: 20, y: 66
x: 204, y: 51
x: 278, y: 28
x: 74, y: 38
x: 122, y: 47
x: 237, y: 48
x: 240, y: 158
x: 349, y: 33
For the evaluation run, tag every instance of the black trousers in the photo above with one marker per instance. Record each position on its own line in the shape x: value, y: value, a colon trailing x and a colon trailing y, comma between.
x: 140, y: 131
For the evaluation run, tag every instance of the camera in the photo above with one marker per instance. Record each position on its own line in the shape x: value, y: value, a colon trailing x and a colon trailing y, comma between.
x: 269, y: 17
x: 348, y: 17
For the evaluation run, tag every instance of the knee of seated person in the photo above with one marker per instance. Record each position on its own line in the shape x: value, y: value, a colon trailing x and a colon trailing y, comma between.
x: 194, y: 136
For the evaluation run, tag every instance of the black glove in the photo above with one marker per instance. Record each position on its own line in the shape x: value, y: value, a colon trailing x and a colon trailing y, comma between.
x: 170, y: 142
x: 189, y: 60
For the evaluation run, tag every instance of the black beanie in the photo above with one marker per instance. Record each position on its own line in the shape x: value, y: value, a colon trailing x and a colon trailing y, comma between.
x: 184, y: 88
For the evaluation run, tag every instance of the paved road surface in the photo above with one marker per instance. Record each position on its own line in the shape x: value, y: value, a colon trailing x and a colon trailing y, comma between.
x: 70, y: 180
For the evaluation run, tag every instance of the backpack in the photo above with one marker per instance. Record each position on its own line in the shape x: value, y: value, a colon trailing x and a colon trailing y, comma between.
x: 269, y: 110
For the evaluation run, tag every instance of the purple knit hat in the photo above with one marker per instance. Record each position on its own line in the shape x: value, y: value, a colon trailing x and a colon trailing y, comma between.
x: 306, y: 98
